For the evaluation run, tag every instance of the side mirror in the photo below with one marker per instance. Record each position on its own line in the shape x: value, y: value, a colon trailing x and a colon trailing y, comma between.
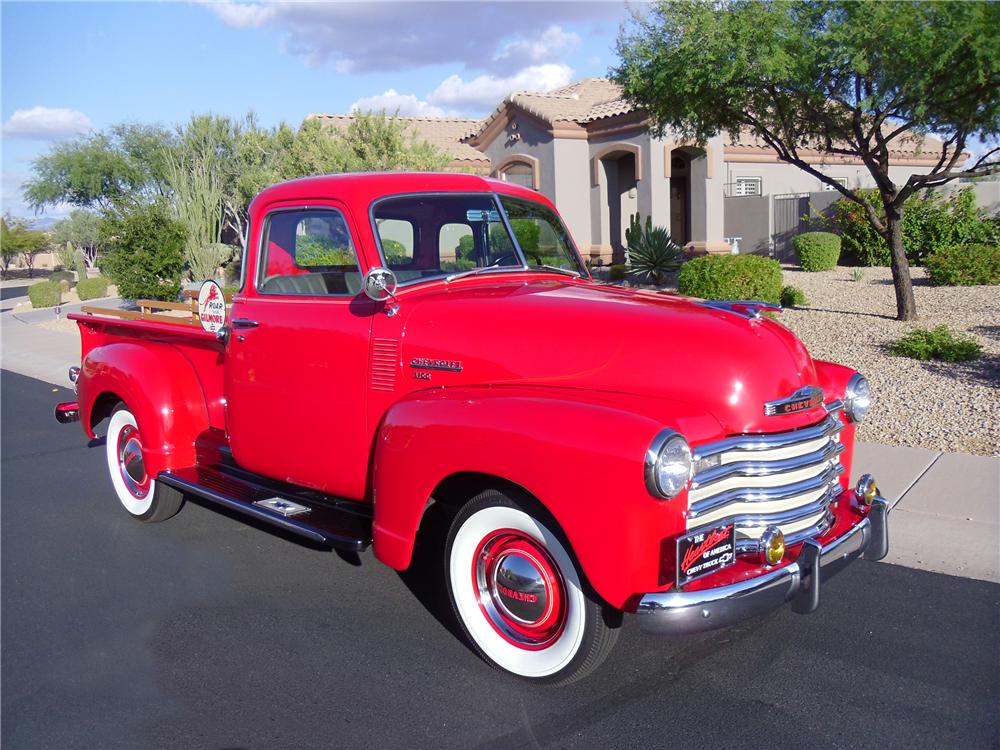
x: 380, y: 285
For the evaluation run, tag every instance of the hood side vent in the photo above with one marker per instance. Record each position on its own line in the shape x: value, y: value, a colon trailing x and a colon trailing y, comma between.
x: 384, y: 364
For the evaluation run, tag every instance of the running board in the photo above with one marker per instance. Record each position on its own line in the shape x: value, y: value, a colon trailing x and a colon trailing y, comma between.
x: 326, y: 520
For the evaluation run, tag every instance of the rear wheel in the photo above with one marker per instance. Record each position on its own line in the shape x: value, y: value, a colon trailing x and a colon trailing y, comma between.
x: 518, y: 594
x: 141, y: 495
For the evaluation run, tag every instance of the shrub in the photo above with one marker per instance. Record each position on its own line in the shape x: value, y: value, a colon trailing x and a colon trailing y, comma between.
x: 857, y: 274
x: 792, y: 296
x: 204, y: 261
x: 527, y: 232
x: 930, y: 222
x: 58, y: 276
x: 964, y: 265
x: 651, y: 251
x: 616, y: 273
x: 145, y: 251
x: 395, y: 252
x: 741, y: 277
x: 92, y: 288
x: 817, y: 251
x: 940, y: 343
x: 44, y: 294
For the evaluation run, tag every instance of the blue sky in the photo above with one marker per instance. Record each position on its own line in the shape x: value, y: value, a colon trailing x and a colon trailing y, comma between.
x: 70, y: 67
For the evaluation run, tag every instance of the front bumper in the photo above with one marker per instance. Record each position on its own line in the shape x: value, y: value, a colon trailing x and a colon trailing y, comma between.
x: 682, y: 612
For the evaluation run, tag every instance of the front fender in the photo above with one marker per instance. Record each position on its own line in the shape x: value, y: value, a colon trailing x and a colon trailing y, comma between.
x: 162, y: 390
x: 833, y: 380
x: 581, y: 455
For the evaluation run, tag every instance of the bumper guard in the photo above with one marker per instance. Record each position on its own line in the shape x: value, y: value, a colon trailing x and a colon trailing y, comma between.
x: 683, y: 612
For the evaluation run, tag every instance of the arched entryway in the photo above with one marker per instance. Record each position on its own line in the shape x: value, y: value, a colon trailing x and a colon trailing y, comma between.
x: 680, y: 194
x: 617, y: 170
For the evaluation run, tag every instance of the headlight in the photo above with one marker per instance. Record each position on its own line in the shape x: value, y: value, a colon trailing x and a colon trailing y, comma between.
x: 858, y: 397
x: 668, y: 464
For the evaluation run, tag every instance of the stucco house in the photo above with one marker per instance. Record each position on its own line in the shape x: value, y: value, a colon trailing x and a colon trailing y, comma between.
x: 592, y: 153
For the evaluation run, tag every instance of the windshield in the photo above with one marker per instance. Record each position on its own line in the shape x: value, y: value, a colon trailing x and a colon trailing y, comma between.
x: 429, y: 236
x: 541, y: 235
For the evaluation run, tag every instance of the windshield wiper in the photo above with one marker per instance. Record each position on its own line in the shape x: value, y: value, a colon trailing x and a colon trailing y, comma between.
x: 475, y: 272
x: 556, y: 269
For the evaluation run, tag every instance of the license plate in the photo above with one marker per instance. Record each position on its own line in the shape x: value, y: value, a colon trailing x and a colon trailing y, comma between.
x: 705, y: 552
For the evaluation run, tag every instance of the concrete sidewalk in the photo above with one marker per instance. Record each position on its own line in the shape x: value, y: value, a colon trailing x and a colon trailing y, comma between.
x: 946, y: 506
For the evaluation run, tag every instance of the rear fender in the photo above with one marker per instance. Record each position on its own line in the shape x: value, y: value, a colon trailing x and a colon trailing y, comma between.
x: 580, y: 456
x: 160, y: 388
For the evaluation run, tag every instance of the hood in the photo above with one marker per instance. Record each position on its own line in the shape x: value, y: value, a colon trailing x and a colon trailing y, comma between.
x: 579, y: 334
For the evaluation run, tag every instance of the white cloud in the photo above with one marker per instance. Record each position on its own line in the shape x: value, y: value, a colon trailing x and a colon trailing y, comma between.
x: 486, y: 91
x: 241, y: 15
x: 392, y: 101
x: 551, y: 44
x: 45, y: 123
x: 381, y: 36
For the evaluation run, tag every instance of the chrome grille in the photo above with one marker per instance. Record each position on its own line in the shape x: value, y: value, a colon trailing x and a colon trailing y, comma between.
x: 785, y: 479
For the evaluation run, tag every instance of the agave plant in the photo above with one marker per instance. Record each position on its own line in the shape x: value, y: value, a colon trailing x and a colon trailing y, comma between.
x: 652, y: 253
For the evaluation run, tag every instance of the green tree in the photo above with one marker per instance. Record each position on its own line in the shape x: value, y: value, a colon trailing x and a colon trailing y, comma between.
x: 145, y: 251
x: 18, y: 239
x: 125, y: 163
x: 79, y: 228
x: 850, y: 79
x: 377, y: 142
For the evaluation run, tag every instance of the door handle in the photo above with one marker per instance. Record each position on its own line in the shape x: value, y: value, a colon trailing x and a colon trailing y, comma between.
x: 244, y: 323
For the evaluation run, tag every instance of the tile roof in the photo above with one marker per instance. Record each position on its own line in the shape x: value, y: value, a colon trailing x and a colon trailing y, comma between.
x: 445, y: 133
x: 906, y: 146
x: 581, y: 102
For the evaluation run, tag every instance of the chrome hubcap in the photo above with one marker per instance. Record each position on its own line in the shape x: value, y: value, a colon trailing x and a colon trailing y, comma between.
x: 130, y: 461
x: 519, y: 588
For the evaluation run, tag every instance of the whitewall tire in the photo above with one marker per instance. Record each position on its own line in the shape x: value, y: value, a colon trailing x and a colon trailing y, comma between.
x: 518, y: 595
x: 141, y: 496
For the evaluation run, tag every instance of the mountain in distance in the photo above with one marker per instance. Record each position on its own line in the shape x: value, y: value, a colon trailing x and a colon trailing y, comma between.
x: 44, y: 224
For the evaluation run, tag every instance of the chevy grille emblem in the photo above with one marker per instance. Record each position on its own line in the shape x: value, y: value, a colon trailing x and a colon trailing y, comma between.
x: 804, y: 398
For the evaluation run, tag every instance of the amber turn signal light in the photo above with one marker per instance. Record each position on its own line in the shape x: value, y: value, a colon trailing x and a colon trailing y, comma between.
x: 867, y: 489
x: 772, y: 545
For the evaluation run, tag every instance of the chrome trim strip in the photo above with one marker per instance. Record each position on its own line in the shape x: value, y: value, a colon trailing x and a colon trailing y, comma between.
x: 752, y: 308
x: 752, y: 468
x: 755, y: 520
x: 684, y: 612
x: 834, y: 406
x: 763, y: 494
x: 753, y: 545
x: 829, y: 426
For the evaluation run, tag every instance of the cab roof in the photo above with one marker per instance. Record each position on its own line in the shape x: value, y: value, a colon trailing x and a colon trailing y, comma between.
x: 370, y: 186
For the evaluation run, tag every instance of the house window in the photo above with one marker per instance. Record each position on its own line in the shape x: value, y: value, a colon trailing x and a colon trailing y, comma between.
x: 519, y: 173
x: 747, y: 186
x: 838, y: 180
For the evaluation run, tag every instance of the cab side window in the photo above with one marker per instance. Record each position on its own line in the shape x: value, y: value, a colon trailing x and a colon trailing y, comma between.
x: 308, y: 252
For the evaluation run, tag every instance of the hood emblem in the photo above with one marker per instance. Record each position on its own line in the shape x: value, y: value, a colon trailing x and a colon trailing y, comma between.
x: 803, y: 399
x: 425, y: 363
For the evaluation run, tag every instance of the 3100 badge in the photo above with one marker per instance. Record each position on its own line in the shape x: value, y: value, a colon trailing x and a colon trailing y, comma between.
x: 705, y: 552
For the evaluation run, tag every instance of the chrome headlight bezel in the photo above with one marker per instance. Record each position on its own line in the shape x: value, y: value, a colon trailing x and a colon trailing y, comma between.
x: 857, y: 398
x: 668, y: 444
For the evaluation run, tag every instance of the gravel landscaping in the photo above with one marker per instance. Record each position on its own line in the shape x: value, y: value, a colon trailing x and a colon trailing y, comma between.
x: 950, y: 407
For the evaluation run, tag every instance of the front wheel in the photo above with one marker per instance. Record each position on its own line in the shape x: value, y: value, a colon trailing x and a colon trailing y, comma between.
x: 142, y: 496
x: 518, y: 595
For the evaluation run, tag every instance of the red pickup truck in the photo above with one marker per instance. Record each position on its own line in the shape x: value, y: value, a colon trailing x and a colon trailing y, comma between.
x: 402, y: 341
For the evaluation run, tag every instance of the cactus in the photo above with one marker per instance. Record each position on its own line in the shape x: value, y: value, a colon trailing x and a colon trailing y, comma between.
x: 81, y: 267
